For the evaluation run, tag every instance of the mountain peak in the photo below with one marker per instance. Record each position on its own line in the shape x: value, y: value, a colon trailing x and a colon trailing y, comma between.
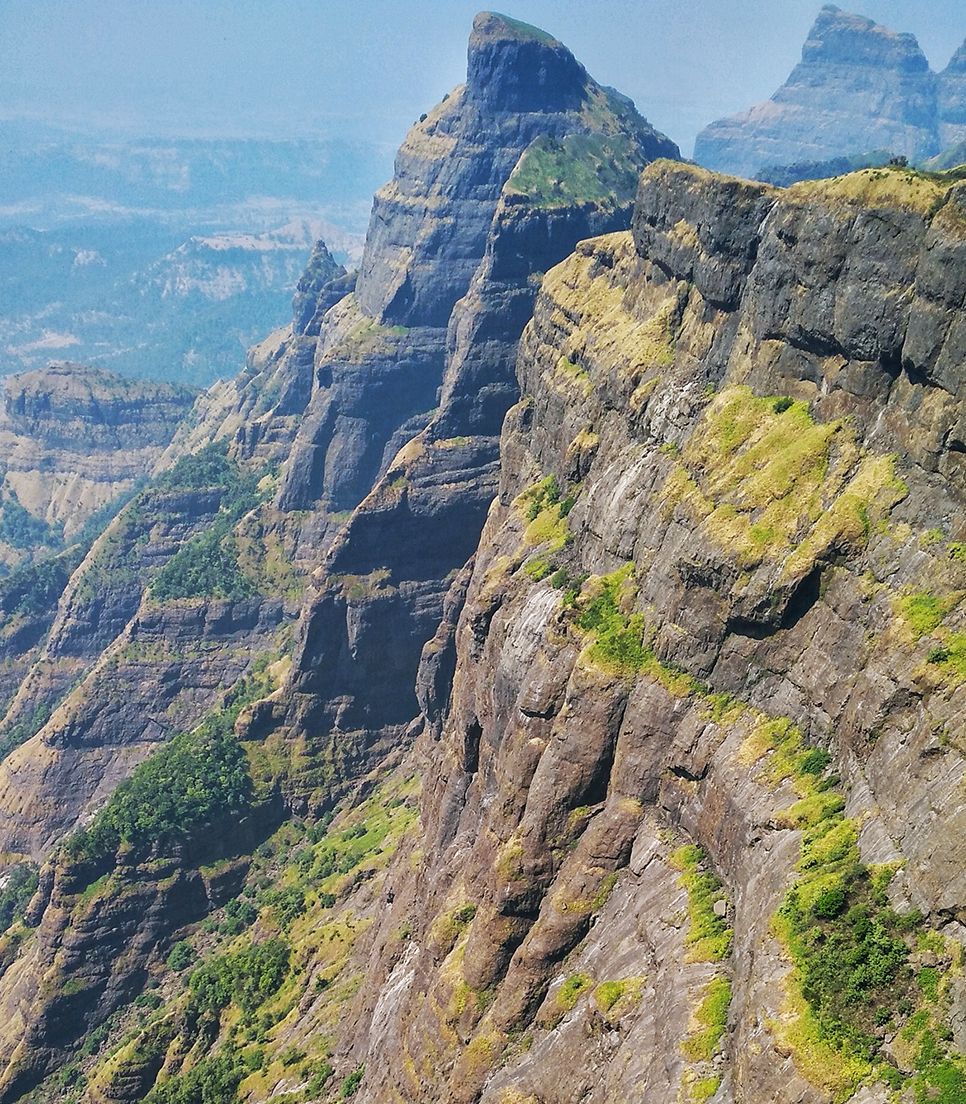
x: 860, y: 87
x: 838, y: 35
x: 513, y: 66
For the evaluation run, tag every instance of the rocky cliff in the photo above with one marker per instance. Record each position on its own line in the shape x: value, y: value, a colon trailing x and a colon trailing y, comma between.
x: 859, y: 87
x: 73, y: 440
x: 654, y: 788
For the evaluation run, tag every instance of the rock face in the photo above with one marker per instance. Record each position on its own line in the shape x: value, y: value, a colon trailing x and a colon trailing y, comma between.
x: 652, y: 789
x: 859, y: 87
x: 73, y: 439
x: 952, y: 100
x: 561, y: 773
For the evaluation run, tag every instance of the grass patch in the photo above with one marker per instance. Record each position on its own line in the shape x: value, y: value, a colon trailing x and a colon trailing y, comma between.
x: 711, y: 1016
x: 709, y: 936
x: 546, y: 508
x: 766, y: 481
x: 580, y: 168
x: 572, y: 990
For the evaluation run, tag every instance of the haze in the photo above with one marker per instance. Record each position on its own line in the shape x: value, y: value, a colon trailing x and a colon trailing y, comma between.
x: 294, y: 68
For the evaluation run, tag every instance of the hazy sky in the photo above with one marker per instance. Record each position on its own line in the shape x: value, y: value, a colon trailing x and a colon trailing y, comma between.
x: 369, y: 67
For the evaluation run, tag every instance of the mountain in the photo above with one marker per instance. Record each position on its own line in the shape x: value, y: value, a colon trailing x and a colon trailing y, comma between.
x: 952, y: 100
x: 165, y: 259
x: 859, y: 87
x: 73, y: 440
x: 137, y: 299
x: 539, y: 675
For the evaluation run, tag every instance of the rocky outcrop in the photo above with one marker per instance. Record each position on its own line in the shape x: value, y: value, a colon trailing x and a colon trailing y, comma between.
x: 558, y: 163
x: 952, y: 100
x: 859, y: 87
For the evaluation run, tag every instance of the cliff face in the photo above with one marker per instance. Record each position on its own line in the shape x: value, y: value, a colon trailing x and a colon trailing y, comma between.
x: 73, y: 439
x: 690, y: 595
x: 653, y: 789
x: 859, y: 87
x: 404, y: 383
x: 952, y: 100
x: 384, y: 400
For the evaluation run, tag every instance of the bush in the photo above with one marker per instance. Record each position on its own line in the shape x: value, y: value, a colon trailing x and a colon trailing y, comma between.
x: 351, y: 1084
x: 238, y: 915
x: 15, y: 896
x: 191, y: 783
x: 181, y: 956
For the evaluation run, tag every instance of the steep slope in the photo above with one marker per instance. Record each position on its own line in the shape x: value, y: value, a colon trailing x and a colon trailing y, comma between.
x: 649, y: 796
x: 691, y: 739
x: 491, y: 189
x: 758, y: 574
x: 659, y: 794
x: 952, y: 100
x: 74, y: 442
x: 859, y: 87
x: 73, y: 439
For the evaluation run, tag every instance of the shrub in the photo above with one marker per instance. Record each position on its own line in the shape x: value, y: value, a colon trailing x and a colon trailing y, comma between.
x: 20, y: 886
x: 181, y: 956
x: 247, y: 977
x: 351, y: 1083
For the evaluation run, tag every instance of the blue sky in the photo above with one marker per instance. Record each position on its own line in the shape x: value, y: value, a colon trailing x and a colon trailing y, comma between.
x: 369, y: 67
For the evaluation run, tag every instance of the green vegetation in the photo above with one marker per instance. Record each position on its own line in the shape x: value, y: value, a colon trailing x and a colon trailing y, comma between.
x: 703, y: 1088
x: 924, y: 612
x: 574, y: 374
x: 366, y: 336
x: 710, y: 1017
x: 204, y: 567
x: 213, y: 1080
x: 622, y: 993
x: 20, y: 529
x: 207, y: 565
x: 849, y: 946
x: 238, y: 915
x: 709, y: 936
x: 21, y: 884
x: 546, y: 509
x: 246, y: 978
x: 572, y: 990
x: 33, y: 589
x: 525, y: 32
x: 350, y: 1084
x: 768, y: 482
x: 181, y: 956
x: 208, y: 467
x: 28, y: 726
x: 619, y: 637
x: 196, y: 780
x: 580, y: 168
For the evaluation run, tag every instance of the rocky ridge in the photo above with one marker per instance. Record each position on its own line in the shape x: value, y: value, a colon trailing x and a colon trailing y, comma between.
x: 318, y: 418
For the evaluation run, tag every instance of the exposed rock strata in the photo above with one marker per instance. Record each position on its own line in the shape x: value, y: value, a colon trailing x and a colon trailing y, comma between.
x: 859, y: 87
x: 73, y: 439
